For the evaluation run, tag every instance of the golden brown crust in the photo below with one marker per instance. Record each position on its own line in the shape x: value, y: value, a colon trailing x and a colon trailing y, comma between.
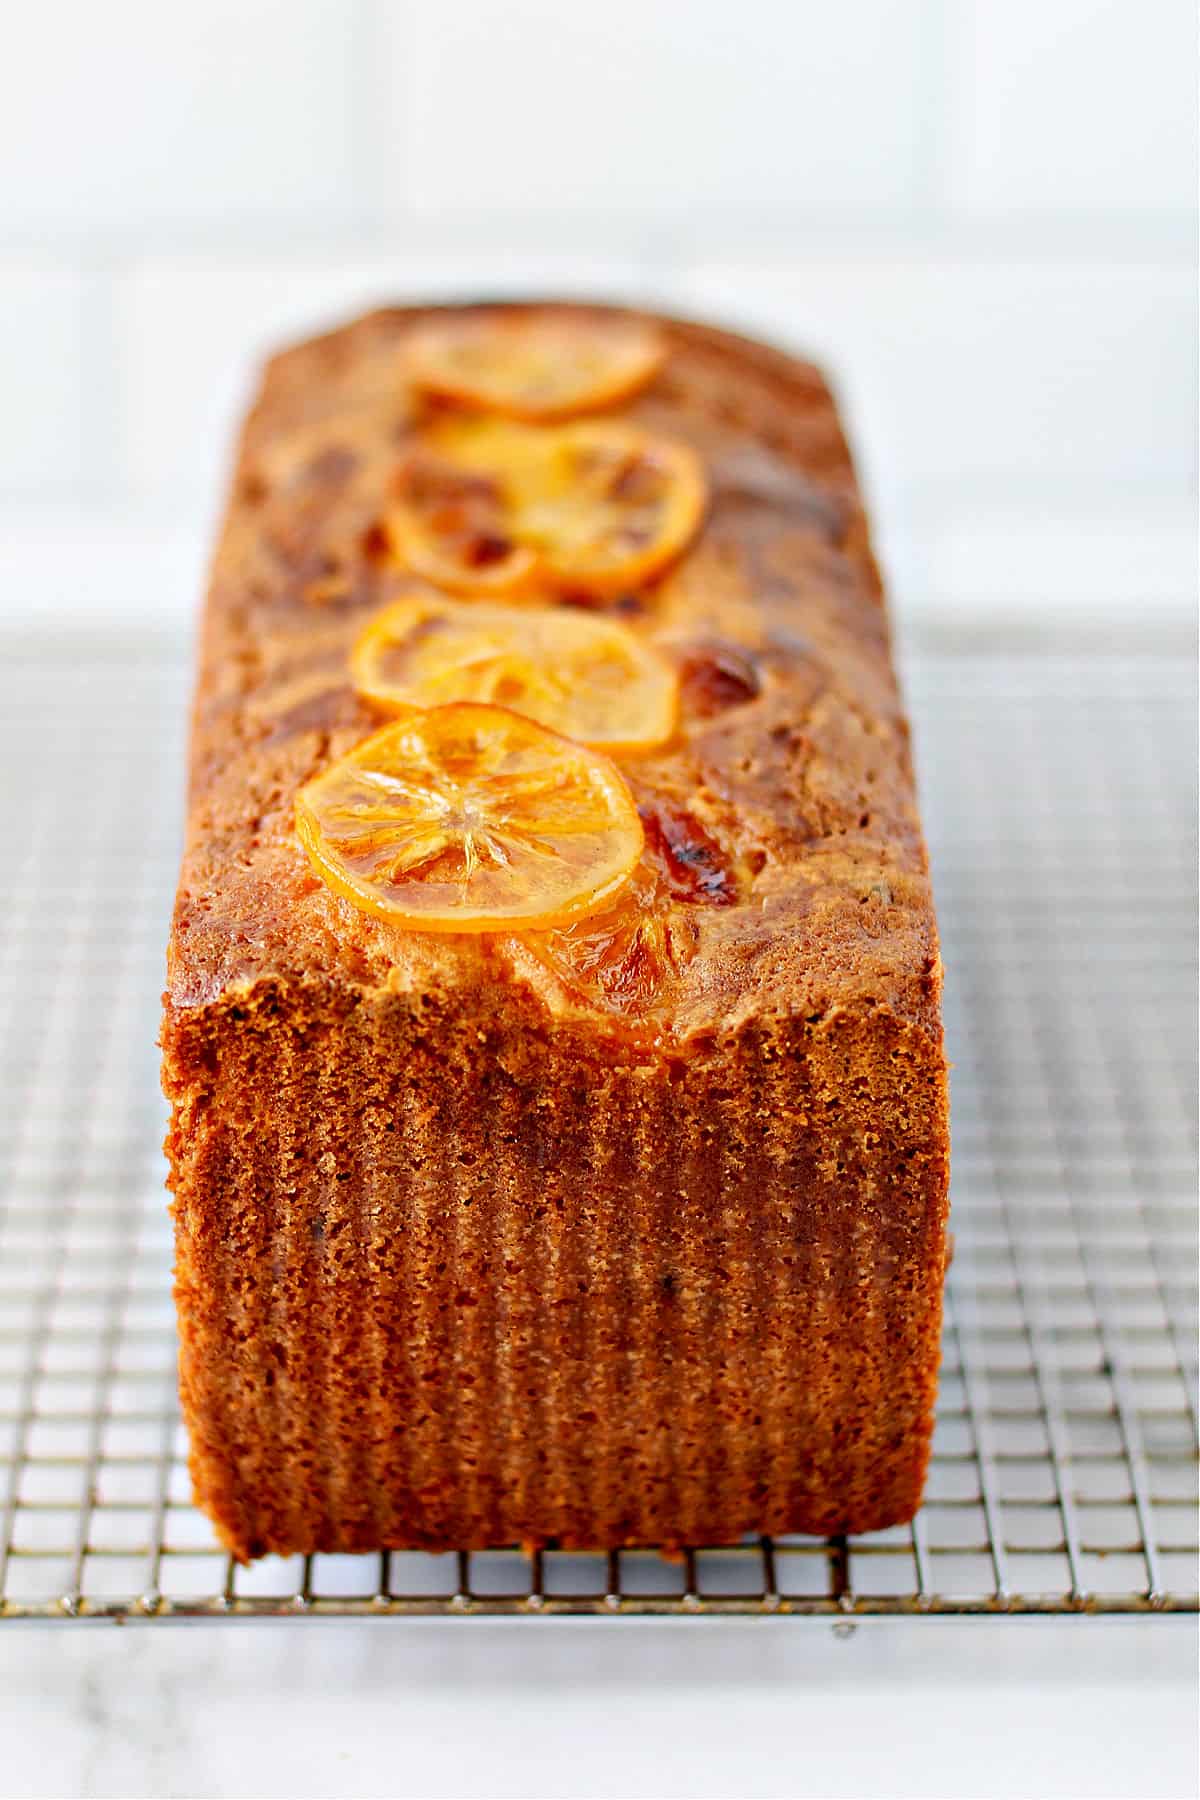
x: 465, y: 1253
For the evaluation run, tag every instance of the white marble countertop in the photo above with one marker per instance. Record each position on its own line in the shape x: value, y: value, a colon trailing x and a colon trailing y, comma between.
x: 930, y: 1707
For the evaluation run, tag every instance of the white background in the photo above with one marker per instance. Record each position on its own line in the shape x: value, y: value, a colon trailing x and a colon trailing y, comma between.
x: 981, y: 213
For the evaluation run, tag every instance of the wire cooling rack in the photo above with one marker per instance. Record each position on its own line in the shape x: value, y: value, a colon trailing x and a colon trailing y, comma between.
x: 1058, y: 790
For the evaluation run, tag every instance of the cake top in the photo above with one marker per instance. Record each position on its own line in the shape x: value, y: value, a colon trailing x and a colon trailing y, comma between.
x: 782, y: 867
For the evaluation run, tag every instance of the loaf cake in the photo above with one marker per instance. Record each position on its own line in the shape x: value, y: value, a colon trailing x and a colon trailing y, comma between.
x: 625, y: 1224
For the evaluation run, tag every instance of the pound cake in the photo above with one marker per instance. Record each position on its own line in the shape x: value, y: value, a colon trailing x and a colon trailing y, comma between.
x: 559, y: 1108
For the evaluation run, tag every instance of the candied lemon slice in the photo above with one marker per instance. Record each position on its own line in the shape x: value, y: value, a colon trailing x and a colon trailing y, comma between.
x: 452, y: 523
x: 534, y: 368
x: 578, y: 673
x: 626, y: 959
x: 471, y: 818
x: 489, y: 507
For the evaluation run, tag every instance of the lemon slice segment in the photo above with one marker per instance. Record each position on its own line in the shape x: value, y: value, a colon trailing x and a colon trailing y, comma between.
x: 534, y: 368
x: 575, y: 672
x: 485, y: 506
x: 468, y: 818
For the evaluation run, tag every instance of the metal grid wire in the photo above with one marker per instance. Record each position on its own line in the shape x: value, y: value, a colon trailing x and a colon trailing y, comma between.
x: 1058, y: 794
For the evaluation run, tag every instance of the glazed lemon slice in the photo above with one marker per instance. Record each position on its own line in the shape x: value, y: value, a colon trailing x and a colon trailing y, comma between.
x: 471, y: 818
x: 534, y: 368
x: 487, y: 506
x: 577, y: 673
x: 626, y: 959
x: 613, y: 507
x: 453, y: 522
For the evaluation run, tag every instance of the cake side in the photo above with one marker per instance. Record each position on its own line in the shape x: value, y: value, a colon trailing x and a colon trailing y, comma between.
x: 464, y: 1257
x: 443, y: 1282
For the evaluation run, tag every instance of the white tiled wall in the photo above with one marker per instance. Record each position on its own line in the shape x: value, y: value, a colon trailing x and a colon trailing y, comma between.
x: 233, y: 117
x: 686, y: 116
x: 1072, y: 107
x: 43, y: 374
x: 981, y: 213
